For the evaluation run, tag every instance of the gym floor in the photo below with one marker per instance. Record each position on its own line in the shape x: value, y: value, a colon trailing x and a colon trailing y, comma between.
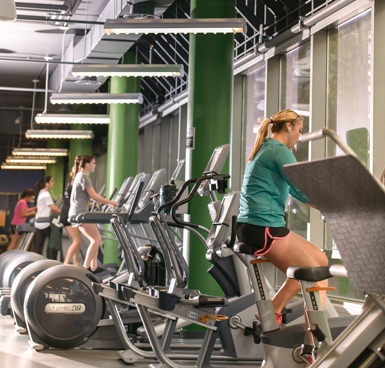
x: 15, y: 352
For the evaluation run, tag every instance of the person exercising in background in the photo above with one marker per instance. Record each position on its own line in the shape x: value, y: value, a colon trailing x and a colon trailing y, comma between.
x: 74, y: 232
x: 265, y: 189
x: 22, y: 211
x: 45, y: 207
x: 82, y: 191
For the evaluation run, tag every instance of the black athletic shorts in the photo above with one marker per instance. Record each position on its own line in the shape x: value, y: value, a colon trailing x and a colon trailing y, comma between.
x: 261, y: 238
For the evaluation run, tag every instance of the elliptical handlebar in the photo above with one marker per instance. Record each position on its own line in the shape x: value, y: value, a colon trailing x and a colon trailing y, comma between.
x: 206, y: 176
x: 326, y: 132
x: 177, y: 197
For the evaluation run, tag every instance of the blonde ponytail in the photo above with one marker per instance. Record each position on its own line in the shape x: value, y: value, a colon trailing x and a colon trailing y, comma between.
x: 278, y: 121
x: 261, y: 136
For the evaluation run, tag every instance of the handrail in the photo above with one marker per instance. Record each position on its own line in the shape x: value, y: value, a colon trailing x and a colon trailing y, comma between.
x: 326, y: 132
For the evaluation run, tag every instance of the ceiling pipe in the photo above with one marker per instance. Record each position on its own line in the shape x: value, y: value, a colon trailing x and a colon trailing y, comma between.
x: 96, y: 45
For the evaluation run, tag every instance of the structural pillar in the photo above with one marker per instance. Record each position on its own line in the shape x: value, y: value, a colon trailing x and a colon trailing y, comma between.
x: 123, y: 136
x: 209, y: 112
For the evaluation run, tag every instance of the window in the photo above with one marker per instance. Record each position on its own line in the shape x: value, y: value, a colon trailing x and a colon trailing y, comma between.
x: 161, y: 142
x: 295, y: 95
x: 349, y: 84
x: 255, y: 107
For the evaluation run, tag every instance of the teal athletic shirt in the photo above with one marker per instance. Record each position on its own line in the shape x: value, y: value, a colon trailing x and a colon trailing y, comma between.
x: 265, y: 188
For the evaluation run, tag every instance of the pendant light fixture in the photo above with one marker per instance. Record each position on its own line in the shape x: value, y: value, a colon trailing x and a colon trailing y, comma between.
x: 58, y: 134
x: 192, y: 25
x: 45, y: 118
x: 30, y: 160
x: 128, y: 70
x: 72, y: 119
x: 39, y: 152
x: 96, y: 98
x: 23, y: 167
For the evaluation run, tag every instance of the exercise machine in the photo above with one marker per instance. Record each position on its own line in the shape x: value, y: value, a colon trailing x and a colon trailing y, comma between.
x: 353, y: 204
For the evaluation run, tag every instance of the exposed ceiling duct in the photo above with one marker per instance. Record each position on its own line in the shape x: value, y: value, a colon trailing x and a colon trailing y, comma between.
x: 98, y: 48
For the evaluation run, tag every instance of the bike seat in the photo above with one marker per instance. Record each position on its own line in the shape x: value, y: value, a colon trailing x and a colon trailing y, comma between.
x: 308, y: 273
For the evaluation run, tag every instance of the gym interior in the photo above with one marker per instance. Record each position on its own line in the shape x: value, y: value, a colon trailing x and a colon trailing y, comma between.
x: 194, y: 81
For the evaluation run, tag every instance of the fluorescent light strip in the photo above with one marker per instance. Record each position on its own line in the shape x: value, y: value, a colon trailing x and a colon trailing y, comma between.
x: 30, y: 160
x: 72, y: 119
x: 192, y: 25
x: 40, y: 152
x: 59, y: 134
x: 96, y: 98
x: 23, y: 167
x: 128, y: 70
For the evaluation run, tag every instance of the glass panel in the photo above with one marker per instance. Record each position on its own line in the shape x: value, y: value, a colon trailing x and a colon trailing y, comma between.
x: 255, y: 107
x: 348, y: 102
x: 295, y: 94
x: 349, y: 84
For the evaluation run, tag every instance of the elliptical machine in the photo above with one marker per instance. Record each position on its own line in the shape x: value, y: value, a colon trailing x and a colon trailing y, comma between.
x: 178, y: 304
x: 61, y: 309
x: 11, y: 263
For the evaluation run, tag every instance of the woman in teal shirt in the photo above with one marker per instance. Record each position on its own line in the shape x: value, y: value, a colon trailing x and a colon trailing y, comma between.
x: 265, y: 188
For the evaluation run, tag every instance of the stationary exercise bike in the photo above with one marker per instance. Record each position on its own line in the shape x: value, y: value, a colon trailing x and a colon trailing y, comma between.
x: 353, y: 203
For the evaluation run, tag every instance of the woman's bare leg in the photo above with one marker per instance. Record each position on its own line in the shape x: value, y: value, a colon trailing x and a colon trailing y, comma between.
x: 91, y: 232
x: 14, y: 240
x: 73, y: 250
x: 293, y: 251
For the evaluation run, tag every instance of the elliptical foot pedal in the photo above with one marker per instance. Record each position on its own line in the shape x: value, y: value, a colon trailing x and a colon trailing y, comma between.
x: 128, y: 356
x: 36, y: 346
x: 21, y: 330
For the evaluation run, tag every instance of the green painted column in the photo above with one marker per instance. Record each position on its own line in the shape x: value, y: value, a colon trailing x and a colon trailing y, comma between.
x: 123, y: 136
x: 78, y: 146
x: 56, y: 170
x: 209, y: 112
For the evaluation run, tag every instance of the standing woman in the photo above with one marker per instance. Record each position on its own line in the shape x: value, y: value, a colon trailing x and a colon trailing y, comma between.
x: 265, y: 188
x: 22, y: 211
x: 74, y: 232
x: 45, y: 207
x: 82, y: 192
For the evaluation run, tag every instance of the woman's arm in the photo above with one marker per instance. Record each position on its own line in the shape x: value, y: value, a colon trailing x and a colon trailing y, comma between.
x: 284, y: 157
x: 98, y: 198
x: 28, y: 212
x: 55, y: 209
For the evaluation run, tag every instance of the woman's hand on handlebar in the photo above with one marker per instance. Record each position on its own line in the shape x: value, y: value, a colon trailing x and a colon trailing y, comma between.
x: 113, y: 203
